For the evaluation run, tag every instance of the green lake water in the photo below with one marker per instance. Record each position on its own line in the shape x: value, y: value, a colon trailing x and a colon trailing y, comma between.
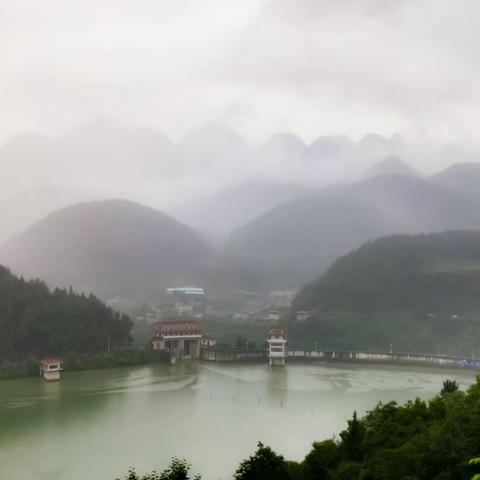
x: 94, y: 425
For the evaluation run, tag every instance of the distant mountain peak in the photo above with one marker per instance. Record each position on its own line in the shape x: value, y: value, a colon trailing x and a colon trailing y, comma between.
x: 213, y: 131
x: 391, y: 165
x: 287, y: 141
x: 374, y: 139
x: 463, y: 177
x: 329, y: 145
x: 460, y: 169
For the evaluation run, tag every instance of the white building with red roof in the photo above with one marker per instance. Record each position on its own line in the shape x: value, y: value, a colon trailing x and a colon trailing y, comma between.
x: 277, y: 347
x: 50, y: 368
x: 179, y: 338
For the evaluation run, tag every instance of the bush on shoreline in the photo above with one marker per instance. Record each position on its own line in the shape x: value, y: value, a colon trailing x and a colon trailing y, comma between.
x: 119, y: 357
x: 26, y: 368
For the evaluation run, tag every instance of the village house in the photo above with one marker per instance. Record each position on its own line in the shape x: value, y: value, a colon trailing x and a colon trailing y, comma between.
x: 273, y: 316
x: 208, y: 341
x: 302, y: 315
x: 188, y: 299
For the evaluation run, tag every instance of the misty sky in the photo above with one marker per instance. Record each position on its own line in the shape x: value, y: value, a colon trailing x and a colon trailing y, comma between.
x: 308, y: 66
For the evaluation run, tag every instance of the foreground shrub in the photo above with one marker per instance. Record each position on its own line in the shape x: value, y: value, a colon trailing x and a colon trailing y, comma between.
x: 179, y: 469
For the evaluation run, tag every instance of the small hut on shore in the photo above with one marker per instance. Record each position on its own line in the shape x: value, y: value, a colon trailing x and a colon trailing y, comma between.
x: 50, y: 368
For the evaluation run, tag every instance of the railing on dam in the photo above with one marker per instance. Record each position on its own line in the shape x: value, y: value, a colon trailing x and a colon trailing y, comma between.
x: 385, y: 357
x: 222, y: 354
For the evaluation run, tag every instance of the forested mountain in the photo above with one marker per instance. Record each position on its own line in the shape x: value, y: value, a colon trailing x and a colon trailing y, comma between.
x: 295, y: 241
x: 35, y: 321
x: 110, y: 247
x: 420, y: 293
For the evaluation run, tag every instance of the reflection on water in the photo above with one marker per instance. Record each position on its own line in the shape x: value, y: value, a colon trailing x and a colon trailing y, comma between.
x: 96, y: 424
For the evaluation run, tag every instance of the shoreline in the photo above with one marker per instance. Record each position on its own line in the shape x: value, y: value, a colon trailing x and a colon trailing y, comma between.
x: 106, y: 361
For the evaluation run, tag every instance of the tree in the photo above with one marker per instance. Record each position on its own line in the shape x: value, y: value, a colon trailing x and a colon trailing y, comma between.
x: 265, y: 464
x: 352, y: 439
x: 179, y: 469
x: 449, y: 386
x: 475, y: 462
x: 323, y: 458
x: 241, y: 342
x: 35, y: 321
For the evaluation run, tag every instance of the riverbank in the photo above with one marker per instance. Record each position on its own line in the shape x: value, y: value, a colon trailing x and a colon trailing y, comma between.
x: 130, y: 357
x: 121, y: 357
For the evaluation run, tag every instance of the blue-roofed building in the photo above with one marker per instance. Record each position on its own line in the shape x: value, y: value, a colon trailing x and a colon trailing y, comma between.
x: 188, y: 299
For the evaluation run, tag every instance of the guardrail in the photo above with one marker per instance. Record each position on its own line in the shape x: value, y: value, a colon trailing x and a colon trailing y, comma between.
x: 385, y: 357
x: 222, y: 354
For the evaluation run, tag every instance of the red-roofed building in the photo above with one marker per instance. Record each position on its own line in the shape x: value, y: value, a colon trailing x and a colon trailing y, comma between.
x: 180, y: 338
x: 277, y: 346
x: 50, y: 368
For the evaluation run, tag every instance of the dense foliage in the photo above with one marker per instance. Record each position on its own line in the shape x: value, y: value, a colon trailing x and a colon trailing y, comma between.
x: 419, y: 292
x: 179, y: 469
x: 435, y: 440
x: 118, y: 357
x: 35, y: 322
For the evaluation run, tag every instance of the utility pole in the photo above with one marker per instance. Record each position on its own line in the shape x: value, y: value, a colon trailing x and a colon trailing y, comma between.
x: 391, y: 348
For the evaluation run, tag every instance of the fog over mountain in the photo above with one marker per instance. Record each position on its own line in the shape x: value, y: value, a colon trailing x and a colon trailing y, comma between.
x: 272, y: 128
x: 462, y: 176
x: 20, y: 210
x: 275, y: 182
x: 391, y: 166
x: 217, y: 215
x: 255, y: 236
x: 297, y: 240
x: 108, y: 159
x: 112, y: 247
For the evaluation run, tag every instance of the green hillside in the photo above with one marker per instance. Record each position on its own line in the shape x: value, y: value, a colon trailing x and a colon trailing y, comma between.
x: 419, y: 293
x: 35, y: 321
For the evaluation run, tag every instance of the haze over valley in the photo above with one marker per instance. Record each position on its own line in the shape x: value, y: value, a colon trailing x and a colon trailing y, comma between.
x: 253, y: 234
x: 239, y: 240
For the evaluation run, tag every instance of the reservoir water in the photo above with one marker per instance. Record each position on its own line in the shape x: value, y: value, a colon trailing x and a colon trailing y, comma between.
x: 96, y: 424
